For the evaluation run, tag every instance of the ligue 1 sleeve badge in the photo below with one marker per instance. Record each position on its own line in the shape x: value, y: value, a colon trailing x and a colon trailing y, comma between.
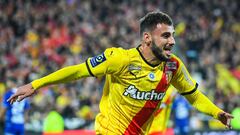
x: 97, y: 60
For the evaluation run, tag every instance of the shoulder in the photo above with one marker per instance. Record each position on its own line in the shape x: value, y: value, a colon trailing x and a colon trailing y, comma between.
x: 175, y: 58
x: 119, y: 54
x: 118, y: 51
x: 114, y: 51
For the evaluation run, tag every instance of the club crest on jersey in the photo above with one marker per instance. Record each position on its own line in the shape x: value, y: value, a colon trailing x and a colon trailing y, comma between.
x: 134, y: 93
x: 97, y: 60
x: 151, y: 76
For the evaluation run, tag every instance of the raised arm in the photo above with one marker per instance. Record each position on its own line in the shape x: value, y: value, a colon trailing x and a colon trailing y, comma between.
x: 63, y: 75
x: 105, y: 63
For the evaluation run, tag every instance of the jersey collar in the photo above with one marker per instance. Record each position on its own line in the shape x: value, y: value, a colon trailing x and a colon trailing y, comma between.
x: 152, y: 65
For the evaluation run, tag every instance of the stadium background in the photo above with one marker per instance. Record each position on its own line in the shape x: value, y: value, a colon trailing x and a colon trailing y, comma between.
x: 38, y: 37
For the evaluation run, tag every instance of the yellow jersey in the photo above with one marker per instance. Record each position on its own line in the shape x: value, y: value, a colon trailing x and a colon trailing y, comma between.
x: 134, y: 89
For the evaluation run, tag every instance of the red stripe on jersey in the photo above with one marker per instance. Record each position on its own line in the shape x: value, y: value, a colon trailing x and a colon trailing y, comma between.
x: 146, y: 112
x: 158, y: 111
x: 167, y: 103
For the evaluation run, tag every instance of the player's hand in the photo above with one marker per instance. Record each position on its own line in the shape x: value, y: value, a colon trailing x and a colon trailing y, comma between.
x: 225, y: 118
x: 22, y: 92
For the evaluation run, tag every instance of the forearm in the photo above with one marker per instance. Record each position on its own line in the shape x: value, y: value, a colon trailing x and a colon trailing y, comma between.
x: 63, y: 75
x: 203, y: 104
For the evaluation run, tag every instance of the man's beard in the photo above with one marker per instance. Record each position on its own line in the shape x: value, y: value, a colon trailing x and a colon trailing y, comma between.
x: 158, y: 52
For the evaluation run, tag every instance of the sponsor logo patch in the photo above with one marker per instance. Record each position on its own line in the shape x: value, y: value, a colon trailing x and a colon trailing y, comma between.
x: 132, y: 67
x: 171, y: 65
x: 97, y: 60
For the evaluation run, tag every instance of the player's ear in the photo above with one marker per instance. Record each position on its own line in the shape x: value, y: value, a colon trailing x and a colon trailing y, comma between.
x: 147, y: 38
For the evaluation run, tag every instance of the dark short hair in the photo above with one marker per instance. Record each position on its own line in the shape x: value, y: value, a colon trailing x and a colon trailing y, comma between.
x: 150, y: 21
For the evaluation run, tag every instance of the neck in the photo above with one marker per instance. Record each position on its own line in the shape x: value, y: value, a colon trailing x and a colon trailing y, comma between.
x: 148, y: 55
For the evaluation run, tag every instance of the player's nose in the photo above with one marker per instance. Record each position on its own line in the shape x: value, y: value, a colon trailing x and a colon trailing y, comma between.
x: 171, y: 40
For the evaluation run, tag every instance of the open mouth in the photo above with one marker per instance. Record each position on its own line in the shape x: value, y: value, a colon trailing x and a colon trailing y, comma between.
x: 167, y: 50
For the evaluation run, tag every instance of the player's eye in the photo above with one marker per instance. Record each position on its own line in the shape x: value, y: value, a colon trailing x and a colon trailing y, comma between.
x: 166, y: 35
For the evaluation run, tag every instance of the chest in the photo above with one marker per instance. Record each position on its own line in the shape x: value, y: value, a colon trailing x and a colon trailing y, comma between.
x: 146, y: 78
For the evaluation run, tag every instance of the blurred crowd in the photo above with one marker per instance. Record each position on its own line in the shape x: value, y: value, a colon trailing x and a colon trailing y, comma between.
x: 38, y: 37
